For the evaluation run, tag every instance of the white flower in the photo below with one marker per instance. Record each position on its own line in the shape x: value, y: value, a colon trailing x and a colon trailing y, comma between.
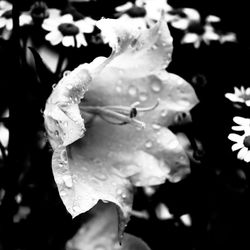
x: 242, y: 142
x: 64, y: 29
x: 240, y: 95
x: 190, y: 16
x: 6, y: 22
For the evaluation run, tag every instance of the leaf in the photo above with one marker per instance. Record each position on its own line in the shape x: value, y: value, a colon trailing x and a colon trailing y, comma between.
x: 100, y: 232
x: 111, y: 159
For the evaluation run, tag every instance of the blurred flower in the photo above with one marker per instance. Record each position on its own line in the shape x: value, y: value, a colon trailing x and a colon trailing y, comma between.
x: 240, y: 95
x: 4, y: 7
x: 6, y: 22
x: 130, y: 100
x: 144, y: 13
x: 64, y: 29
x: 39, y: 11
x: 228, y: 37
x: 183, y: 18
x: 162, y: 212
x: 197, y: 32
x: 242, y: 142
x: 186, y: 220
x: 22, y: 214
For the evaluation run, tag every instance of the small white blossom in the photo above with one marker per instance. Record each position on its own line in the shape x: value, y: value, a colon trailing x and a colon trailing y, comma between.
x: 240, y: 95
x: 242, y: 142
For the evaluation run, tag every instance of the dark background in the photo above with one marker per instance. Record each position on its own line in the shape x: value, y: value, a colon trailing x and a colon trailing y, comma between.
x: 215, y: 194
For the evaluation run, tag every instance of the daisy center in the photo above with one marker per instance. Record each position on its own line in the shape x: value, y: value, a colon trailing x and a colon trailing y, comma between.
x: 246, y: 142
x: 136, y: 12
x: 68, y: 29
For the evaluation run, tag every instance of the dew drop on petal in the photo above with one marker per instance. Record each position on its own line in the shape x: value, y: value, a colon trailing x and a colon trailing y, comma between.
x: 100, y: 176
x: 143, y: 96
x: 119, y: 191
x: 118, y: 88
x: 148, y: 144
x: 54, y: 85
x: 76, y: 209
x: 164, y: 113
x: 154, y: 47
x: 67, y: 181
x: 132, y: 90
x: 65, y: 73
x: 64, y: 156
x: 173, y: 144
x: 156, y: 127
x: 62, y: 193
x: 156, y: 86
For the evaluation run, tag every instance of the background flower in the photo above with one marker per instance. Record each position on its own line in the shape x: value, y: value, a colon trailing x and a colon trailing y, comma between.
x: 115, y: 155
x: 64, y: 29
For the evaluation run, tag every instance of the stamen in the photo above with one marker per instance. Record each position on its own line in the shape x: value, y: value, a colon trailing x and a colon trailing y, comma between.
x: 124, y: 115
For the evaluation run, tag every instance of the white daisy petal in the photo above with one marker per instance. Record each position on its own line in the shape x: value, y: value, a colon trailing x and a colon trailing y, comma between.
x: 54, y: 13
x: 124, y: 7
x: 247, y: 91
x: 247, y: 157
x: 80, y: 40
x: 68, y: 18
x: 84, y: 26
x: 242, y: 153
x: 248, y: 103
x: 50, y: 24
x: 181, y: 23
x: 241, y: 121
x: 235, y: 138
x: 55, y: 37
x: 237, y: 146
x: 238, y: 128
x: 237, y: 91
x: 233, y: 97
x: 190, y: 38
x: 212, y: 19
x: 9, y: 24
x: 68, y: 41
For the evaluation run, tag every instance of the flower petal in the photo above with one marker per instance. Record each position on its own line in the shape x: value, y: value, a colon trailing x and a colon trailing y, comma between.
x: 68, y: 41
x: 85, y: 26
x: 233, y: 97
x: 235, y: 138
x: 242, y: 153
x: 237, y: 146
x: 63, y: 121
x: 241, y: 121
x: 99, y: 231
x: 55, y: 37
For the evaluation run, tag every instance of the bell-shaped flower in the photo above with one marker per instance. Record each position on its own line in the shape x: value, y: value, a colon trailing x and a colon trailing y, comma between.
x: 130, y: 100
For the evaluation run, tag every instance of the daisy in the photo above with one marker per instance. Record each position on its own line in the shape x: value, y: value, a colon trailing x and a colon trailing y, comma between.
x: 240, y: 95
x: 6, y: 22
x: 67, y: 31
x: 197, y: 32
x: 242, y: 142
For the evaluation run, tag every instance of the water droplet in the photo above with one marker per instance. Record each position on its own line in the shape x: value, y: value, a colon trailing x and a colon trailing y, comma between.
x: 101, y: 176
x: 124, y: 196
x: 148, y: 144
x: 67, y: 181
x: 119, y: 191
x: 154, y: 47
x: 164, y: 44
x: 156, y: 126
x: 64, y: 156
x: 66, y: 72
x: 54, y: 85
x: 156, y: 86
x: 76, y: 209
x: 132, y: 90
x: 118, y: 88
x: 173, y: 144
x: 164, y: 113
x: 143, y: 96
x: 62, y: 193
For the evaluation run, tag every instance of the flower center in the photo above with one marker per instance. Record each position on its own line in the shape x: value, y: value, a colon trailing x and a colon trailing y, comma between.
x: 136, y: 12
x: 246, y: 142
x: 68, y: 29
x: 39, y: 10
